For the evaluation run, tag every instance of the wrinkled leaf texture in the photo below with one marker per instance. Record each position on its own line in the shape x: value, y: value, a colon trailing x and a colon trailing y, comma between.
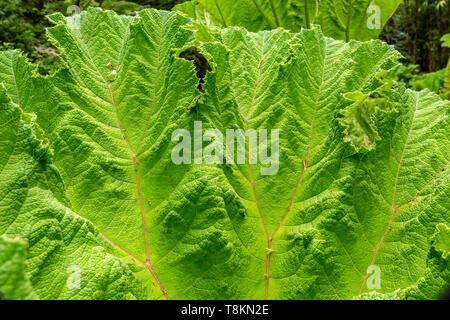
x: 88, y: 190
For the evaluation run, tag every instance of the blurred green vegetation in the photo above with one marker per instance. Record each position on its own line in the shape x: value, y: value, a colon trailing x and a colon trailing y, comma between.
x: 417, y: 30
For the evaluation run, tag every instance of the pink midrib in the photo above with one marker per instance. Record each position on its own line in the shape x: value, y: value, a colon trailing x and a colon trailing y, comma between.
x: 138, y: 185
x: 300, y: 181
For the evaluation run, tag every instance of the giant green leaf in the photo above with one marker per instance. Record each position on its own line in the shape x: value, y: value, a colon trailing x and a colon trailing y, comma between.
x: 315, y: 229
x: 343, y: 19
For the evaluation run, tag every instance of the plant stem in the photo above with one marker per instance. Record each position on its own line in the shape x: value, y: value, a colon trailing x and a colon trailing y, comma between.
x: 349, y: 19
x: 277, y: 22
x: 308, y: 23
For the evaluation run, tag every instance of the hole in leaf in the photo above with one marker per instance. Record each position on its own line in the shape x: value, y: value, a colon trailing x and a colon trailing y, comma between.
x: 201, y: 64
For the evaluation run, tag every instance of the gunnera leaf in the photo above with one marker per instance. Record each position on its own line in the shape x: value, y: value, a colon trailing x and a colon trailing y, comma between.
x: 329, y: 223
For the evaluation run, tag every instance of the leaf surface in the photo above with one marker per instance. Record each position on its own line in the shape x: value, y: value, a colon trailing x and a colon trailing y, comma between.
x: 227, y: 231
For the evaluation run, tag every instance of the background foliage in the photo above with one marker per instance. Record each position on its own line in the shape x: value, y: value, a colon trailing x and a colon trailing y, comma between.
x: 416, y: 30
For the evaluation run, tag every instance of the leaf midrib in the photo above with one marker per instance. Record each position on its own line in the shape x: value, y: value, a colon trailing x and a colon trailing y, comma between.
x: 134, y: 159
